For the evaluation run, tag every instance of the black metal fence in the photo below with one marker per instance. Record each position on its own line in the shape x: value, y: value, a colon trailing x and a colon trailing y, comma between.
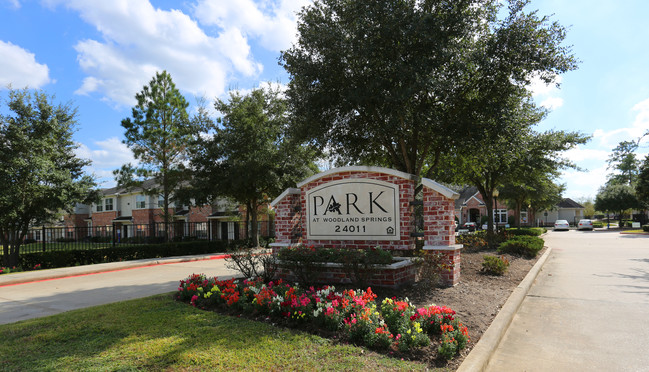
x: 63, y: 238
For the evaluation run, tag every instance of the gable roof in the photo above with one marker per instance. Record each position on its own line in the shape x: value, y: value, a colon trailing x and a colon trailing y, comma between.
x: 569, y: 203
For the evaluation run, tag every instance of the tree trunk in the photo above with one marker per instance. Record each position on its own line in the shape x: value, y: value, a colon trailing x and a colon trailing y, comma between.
x: 253, y: 220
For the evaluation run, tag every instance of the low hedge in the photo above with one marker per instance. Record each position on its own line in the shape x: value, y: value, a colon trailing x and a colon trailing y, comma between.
x: 55, y: 259
x: 598, y: 224
x: 645, y: 228
x: 529, y: 231
x: 527, y: 246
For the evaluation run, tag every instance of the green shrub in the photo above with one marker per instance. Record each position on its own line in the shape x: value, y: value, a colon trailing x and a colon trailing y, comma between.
x: 531, y: 231
x: 598, y: 224
x: 53, y: 259
x: 357, y: 263
x: 645, y: 228
x: 527, y: 246
x: 493, y: 265
x: 472, y: 242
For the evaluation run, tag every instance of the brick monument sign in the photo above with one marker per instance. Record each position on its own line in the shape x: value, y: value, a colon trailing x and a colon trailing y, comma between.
x: 364, y: 207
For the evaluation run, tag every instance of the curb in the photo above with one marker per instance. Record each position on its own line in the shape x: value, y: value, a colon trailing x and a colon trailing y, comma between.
x: 67, y: 272
x: 480, y: 355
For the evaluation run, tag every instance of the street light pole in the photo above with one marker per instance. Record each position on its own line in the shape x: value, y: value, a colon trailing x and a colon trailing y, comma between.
x: 495, y: 194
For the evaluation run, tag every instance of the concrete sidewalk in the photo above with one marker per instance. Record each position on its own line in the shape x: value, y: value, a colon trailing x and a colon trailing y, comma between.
x: 588, y: 309
x: 40, y: 293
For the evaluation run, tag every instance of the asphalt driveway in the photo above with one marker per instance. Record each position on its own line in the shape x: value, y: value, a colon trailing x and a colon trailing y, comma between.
x: 80, y: 288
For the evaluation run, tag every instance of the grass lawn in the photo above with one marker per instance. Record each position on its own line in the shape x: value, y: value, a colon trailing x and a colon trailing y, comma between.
x: 157, y: 333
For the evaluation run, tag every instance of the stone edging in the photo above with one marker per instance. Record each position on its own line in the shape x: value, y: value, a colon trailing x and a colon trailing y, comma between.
x: 480, y: 355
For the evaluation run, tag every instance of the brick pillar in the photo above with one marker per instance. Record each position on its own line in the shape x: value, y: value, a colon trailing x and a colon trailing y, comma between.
x: 288, y: 216
x: 439, y: 227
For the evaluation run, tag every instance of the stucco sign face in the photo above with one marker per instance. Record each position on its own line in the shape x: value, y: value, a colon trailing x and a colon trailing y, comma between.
x: 354, y: 209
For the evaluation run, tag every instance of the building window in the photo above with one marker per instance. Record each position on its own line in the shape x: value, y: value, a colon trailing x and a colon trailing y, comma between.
x: 231, y: 230
x: 100, y: 207
x: 500, y: 215
x: 161, y: 201
x: 109, y: 204
x: 140, y: 201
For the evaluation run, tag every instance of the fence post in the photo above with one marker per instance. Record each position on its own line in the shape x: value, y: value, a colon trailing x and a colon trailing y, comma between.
x: 114, y: 236
x: 43, y: 238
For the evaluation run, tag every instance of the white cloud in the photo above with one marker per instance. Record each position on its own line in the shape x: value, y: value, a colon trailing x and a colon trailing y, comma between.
x: 552, y: 103
x: 106, y: 155
x: 14, y: 3
x: 139, y: 40
x: 19, y: 68
x: 639, y: 127
x: 579, y: 154
x: 274, y: 23
x: 547, y: 94
x: 583, y: 184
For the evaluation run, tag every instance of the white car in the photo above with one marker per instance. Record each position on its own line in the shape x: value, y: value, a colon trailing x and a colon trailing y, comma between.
x: 561, y: 225
x: 585, y: 225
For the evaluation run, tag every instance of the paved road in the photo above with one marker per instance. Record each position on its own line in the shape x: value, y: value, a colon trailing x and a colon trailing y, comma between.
x: 588, y: 309
x: 48, y: 297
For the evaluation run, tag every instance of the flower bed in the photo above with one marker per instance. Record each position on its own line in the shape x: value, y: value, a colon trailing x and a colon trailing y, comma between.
x: 353, y: 315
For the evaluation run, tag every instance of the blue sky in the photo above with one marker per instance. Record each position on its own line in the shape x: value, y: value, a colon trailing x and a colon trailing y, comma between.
x: 98, y: 54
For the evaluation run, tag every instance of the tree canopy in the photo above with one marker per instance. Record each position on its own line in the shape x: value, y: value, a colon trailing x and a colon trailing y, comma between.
x: 616, y: 199
x: 159, y: 134
x: 623, y: 160
x: 40, y: 176
x: 401, y: 83
x: 642, y: 186
x: 248, y: 157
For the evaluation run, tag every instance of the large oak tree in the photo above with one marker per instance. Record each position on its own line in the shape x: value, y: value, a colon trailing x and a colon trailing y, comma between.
x: 40, y: 176
x: 403, y: 82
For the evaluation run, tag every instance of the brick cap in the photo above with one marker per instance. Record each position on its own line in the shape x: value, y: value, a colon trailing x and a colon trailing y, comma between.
x: 454, y: 247
x: 358, y: 168
x: 289, y: 191
x: 440, y: 188
x: 281, y: 245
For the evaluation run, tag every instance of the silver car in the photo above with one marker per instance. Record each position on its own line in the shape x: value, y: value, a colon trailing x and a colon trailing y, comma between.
x: 561, y: 225
x: 585, y: 225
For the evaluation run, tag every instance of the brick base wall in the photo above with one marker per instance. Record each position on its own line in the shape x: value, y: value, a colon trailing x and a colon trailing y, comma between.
x: 400, y: 273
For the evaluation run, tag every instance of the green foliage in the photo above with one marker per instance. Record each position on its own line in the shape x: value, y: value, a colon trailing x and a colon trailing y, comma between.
x: 531, y: 231
x: 402, y: 83
x: 617, y: 199
x: 642, y: 186
x: 54, y: 259
x: 40, y: 174
x: 623, y: 161
x: 526, y: 246
x: 473, y: 242
x: 645, y: 228
x: 249, y: 157
x: 159, y: 134
x: 493, y: 265
x: 598, y: 224
x: 358, y: 263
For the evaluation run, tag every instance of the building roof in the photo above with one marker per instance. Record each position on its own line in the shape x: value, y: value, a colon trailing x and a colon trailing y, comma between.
x: 466, y: 193
x: 146, y: 184
x: 569, y: 203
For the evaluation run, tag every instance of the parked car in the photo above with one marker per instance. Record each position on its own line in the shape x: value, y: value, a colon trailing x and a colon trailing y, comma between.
x: 585, y: 225
x: 471, y: 226
x: 561, y: 225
